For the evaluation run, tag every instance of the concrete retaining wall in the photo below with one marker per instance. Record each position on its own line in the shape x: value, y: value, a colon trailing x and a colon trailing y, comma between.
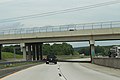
x: 108, y: 62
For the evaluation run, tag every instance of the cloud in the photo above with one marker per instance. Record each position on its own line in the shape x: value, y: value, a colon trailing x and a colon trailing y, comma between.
x: 4, y: 1
x: 17, y: 8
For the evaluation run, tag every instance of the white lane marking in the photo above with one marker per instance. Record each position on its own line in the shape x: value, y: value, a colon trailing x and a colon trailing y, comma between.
x: 62, y: 77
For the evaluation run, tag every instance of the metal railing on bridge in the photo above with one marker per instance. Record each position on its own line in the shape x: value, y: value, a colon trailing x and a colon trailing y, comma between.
x: 70, y: 27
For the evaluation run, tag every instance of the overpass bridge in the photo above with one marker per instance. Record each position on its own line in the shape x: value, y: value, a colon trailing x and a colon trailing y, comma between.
x: 31, y: 39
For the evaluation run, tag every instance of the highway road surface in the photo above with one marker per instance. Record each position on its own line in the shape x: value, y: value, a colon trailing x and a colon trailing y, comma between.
x: 61, y: 71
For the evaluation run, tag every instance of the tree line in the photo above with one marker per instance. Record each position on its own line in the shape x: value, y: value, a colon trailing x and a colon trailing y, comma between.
x: 11, y: 49
x: 63, y: 49
x: 99, y: 50
x: 57, y: 49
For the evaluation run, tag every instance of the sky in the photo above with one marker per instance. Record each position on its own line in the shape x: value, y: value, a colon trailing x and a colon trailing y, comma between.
x: 16, y: 8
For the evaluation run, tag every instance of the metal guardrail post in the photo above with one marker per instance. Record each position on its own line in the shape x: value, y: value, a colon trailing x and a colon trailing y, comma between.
x: 33, y: 30
x: 39, y: 29
x: 110, y: 24
x: 52, y: 29
x: 101, y: 25
x: 60, y: 28
x: 9, y: 32
x: 92, y: 25
x: 67, y: 28
x: 21, y: 31
x: 46, y: 29
x: 75, y: 27
x: 83, y: 26
x: 14, y: 31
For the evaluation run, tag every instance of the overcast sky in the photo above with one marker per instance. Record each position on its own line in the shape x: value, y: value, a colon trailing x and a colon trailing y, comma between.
x: 16, y: 8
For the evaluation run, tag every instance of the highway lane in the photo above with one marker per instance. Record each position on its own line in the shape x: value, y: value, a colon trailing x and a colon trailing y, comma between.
x: 74, y: 71
x: 39, y: 72
x: 61, y: 71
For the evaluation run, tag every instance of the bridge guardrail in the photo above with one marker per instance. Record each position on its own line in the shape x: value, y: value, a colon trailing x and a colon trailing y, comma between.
x: 70, y: 27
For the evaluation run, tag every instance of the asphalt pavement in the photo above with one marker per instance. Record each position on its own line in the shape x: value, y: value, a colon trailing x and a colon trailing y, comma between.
x: 61, y: 71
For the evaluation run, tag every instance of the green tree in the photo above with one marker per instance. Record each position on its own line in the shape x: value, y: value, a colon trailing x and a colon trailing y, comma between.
x: 58, y: 49
x: 11, y: 49
x: 67, y: 49
x: 46, y: 49
x: 99, y: 50
x: 84, y: 50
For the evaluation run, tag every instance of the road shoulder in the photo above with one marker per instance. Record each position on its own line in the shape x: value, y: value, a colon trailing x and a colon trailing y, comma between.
x: 106, y: 70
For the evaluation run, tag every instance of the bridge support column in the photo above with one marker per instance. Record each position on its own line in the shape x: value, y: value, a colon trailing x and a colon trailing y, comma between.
x: 23, y: 49
x: 37, y: 51
x: 92, y: 49
x: 41, y: 54
x: 34, y: 51
x: 0, y: 51
x: 29, y: 52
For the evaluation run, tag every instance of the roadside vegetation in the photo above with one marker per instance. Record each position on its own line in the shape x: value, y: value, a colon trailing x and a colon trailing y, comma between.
x: 62, y: 51
x: 8, y: 65
x: 9, y: 55
x: 99, y: 50
x: 58, y: 49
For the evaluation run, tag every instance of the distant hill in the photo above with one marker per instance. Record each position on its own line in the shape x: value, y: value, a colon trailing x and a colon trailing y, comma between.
x: 78, y: 48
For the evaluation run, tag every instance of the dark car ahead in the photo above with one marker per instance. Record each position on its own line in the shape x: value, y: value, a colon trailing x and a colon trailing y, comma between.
x: 52, y: 59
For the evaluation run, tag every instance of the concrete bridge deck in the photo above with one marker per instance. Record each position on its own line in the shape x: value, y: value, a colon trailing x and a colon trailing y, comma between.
x: 77, y: 35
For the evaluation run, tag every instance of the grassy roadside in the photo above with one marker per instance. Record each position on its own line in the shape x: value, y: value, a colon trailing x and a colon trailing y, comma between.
x: 9, y: 65
x: 7, y: 70
x: 8, y: 55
